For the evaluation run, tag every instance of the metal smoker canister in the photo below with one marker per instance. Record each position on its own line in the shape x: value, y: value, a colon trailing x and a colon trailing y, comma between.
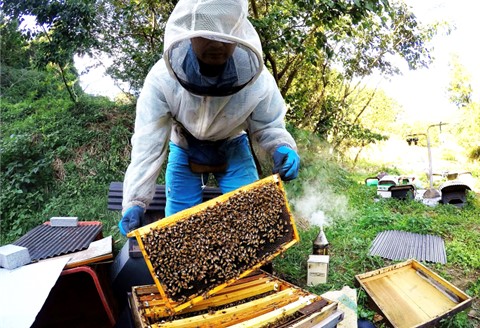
x: 320, y: 244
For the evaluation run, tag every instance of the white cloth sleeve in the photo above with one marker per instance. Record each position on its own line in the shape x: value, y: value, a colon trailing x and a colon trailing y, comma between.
x: 267, y: 122
x: 149, y: 144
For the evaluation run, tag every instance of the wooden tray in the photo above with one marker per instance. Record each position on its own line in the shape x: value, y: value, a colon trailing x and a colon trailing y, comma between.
x: 198, y: 260
x: 253, y: 301
x: 410, y: 295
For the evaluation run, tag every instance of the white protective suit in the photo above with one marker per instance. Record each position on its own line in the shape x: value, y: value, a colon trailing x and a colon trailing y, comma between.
x: 165, y: 107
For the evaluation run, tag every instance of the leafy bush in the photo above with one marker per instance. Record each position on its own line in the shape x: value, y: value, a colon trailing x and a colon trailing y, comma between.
x: 56, y: 154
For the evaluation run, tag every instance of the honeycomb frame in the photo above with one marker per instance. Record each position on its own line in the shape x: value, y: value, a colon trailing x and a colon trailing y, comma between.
x: 248, y: 228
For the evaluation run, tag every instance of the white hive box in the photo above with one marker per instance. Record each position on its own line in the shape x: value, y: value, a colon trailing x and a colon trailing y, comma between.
x: 317, y: 269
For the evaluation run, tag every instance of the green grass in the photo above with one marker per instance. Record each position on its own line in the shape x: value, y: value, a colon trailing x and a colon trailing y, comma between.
x: 350, y: 237
x: 354, y: 218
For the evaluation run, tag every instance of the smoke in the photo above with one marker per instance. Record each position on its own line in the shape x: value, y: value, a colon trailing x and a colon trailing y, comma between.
x: 318, y: 218
x: 319, y: 205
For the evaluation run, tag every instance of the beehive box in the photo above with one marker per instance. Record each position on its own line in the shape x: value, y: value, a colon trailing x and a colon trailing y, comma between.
x: 411, y: 295
x: 258, y: 300
x: 199, y: 251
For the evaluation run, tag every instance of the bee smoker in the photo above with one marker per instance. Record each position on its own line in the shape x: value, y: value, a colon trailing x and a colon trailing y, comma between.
x: 320, y: 244
x: 317, y: 264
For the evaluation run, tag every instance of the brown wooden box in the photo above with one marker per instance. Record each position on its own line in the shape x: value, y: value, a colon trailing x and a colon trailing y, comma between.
x: 410, y: 295
x: 253, y: 301
x: 268, y: 249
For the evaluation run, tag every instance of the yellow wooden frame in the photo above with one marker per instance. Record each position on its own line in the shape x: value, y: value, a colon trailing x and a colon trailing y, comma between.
x: 184, y: 215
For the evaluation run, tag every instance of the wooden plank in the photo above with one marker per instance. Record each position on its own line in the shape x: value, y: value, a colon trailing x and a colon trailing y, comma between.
x: 155, y: 308
x: 138, y: 319
x: 245, y: 286
x: 306, y: 314
x: 278, y: 313
x: 384, y: 272
x: 224, y: 298
x: 145, y: 290
x: 445, y: 284
x: 151, y: 292
x: 251, y: 277
x: 426, y: 296
x: 394, y: 302
x: 223, y: 315
x: 316, y: 318
x: 236, y: 314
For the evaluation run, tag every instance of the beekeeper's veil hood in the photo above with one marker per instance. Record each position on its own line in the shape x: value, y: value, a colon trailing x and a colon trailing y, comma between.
x: 212, y: 21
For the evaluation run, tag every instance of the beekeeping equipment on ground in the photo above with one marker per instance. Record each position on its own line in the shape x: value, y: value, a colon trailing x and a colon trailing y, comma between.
x: 411, y: 295
x: 257, y: 300
x: 198, y: 252
x: 317, y: 269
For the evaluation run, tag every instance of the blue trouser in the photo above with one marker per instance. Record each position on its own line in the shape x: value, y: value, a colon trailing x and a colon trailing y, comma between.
x: 184, y: 187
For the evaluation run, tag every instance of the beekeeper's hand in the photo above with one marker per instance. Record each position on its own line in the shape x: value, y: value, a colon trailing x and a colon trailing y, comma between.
x: 131, y: 219
x: 286, y: 163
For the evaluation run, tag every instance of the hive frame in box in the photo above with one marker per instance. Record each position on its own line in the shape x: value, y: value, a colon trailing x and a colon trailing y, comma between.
x: 184, y: 215
x: 256, y: 300
x: 410, y: 295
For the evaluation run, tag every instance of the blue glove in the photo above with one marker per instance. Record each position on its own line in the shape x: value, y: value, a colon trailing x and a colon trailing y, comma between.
x: 131, y: 219
x: 286, y: 162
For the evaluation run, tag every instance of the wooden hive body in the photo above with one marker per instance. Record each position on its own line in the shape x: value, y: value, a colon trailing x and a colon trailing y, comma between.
x: 411, y: 295
x: 253, y: 301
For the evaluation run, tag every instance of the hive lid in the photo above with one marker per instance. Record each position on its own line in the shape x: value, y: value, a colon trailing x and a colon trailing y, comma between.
x: 199, y: 251
x: 45, y: 241
x: 318, y: 258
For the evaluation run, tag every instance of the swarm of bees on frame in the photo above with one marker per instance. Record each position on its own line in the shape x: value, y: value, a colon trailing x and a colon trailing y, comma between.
x: 216, y: 244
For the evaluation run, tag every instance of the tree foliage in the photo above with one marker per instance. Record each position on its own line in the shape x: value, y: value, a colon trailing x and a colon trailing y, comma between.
x: 325, y: 49
x: 132, y: 37
x: 63, y: 28
x: 461, y: 95
x: 318, y: 51
x: 14, y: 47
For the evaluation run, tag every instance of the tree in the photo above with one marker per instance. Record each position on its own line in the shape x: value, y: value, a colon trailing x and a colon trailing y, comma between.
x: 13, y: 44
x: 460, y: 88
x: 132, y: 37
x: 319, y: 53
x: 460, y: 91
x: 63, y: 28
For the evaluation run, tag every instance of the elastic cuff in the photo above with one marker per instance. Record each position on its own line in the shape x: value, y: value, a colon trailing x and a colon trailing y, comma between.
x: 123, y: 232
x: 132, y: 204
x: 282, y: 144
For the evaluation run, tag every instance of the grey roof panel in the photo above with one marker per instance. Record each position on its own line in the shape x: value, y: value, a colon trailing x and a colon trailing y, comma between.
x: 401, y: 245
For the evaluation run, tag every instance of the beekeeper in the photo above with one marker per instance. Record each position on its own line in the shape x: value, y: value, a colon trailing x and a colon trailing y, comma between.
x: 197, y: 103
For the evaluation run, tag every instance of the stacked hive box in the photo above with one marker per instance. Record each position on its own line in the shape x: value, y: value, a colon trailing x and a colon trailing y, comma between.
x: 258, y: 300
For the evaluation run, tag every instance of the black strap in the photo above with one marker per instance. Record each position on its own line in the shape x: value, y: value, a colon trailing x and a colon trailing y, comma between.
x: 255, y: 159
